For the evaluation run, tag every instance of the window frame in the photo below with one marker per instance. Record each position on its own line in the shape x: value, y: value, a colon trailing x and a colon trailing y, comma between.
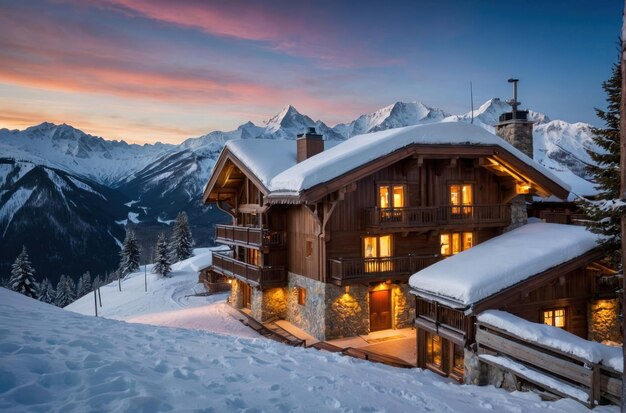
x: 301, y: 296
x: 553, y: 317
x: 391, y: 186
x: 461, y: 239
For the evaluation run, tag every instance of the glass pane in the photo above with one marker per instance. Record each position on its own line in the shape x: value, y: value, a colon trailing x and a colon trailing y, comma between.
x: 467, y: 240
x: 398, y: 196
x: 383, y: 195
x: 455, y: 196
x: 437, y: 351
x: 444, y: 241
x: 547, y: 318
x: 459, y: 359
x: 467, y: 194
x: 456, y: 243
x: 559, y: 318
x: 385, y: 246
x: 369, y: 247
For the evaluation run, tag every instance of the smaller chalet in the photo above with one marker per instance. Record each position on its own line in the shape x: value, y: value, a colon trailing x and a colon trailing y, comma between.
x: 543, y: 273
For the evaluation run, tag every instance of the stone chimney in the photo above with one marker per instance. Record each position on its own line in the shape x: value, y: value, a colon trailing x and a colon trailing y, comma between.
x: 514, y: 127
x: 308, y: 144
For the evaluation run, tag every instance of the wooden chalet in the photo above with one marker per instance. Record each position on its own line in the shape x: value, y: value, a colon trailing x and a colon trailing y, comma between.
x: 327, y: 238
x: 543, y: 273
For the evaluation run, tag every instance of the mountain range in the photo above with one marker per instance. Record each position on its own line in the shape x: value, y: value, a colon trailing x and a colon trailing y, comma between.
x: 68, y: 195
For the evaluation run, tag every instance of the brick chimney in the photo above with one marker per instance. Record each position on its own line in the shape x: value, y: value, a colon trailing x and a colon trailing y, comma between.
x: 308, y: 144
x: 514, y: 127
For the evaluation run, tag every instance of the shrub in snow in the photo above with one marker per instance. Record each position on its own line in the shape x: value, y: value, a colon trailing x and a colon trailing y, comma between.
x: 46, y: 291
x: 129, y: 255
x: 66, y: 291
x: 23, y: 276
x: 182, y: 241
x: 606, y: 210
x: 162, y: 261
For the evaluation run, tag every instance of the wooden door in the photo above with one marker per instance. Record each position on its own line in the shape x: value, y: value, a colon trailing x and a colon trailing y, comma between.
x: 380, y: 310
x: 246, y: 295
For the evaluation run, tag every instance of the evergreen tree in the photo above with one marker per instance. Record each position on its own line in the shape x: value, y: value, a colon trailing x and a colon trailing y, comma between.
x: 84, y: 285
x: 604, y: 212
x: 96, y: 283
x: 162, y: 261
x: 129, y: 255
x: 66, y: 292
x: 46, y: 291
x: 23, y: 276
x: 182, y: 241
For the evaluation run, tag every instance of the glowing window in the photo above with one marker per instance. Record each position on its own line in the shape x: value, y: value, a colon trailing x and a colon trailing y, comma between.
x: 455, y: 242
x: 391, y: 196
x: 555, y: 317
x: 433, y: 349
x: 376, y: 248
x: 301, y: 296
x: 458, y: 362
x: 461, y: 195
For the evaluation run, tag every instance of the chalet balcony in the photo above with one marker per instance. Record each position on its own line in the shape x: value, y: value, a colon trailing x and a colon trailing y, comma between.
x: 438, y: 216
x: 254, y: 275
x: 344, y: 271
x: 249, y: 236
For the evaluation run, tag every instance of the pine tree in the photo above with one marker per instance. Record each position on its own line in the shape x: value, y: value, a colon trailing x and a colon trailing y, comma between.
x: 46, y: 291
x: 129, y: 255
x: 162, y: 261
x: 66, y: 292
x: 604, y: 212
x: 84, y: 285
x: 23, y: 276
x: 182, y: 241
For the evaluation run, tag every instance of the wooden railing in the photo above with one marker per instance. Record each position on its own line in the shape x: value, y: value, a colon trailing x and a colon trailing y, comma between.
x: 345, y: 270
x: 439, y: 315
x: 433, y: 216
x: 547, y: 367
x: 252, y: 274
x: 566, y: 217
x: 248, y: 236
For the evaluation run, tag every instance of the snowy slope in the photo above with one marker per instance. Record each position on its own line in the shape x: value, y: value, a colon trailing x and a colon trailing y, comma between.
x: 58, y: 361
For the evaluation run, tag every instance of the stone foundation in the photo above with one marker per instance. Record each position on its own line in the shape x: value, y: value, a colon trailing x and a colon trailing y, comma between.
x: 403, y: 304
x: 311, y: 316
x: 475, y: 372
x: 604, y: 323
x: 347, y: 313
x: 519, y: 213
x: 268, y: 304
x: 236, y: 299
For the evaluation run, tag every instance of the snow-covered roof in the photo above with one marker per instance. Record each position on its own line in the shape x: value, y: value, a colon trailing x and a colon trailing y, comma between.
x: 503, y: 261
x: 265, y: 158
x: 362, y: 149
x: 554, y: 337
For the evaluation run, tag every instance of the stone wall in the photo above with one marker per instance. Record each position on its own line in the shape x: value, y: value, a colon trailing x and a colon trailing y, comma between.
x: 403, y: 304
x: 268, y: 304
x: 347, y: 313
x: 604, y: 323
x: 519, y: 213
x: 311, y: 316
x: 236, y: 299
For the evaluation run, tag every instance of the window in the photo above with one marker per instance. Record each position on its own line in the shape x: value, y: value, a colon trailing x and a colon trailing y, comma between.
x: 391, y: 196
x: 375, y: 248
x: 458, y: 359
x: 555, y: 317
x: 308, y: 249
x: 461, y: 199
x: 301, y: 295
x: 455, y: 242
x: 433, y: 349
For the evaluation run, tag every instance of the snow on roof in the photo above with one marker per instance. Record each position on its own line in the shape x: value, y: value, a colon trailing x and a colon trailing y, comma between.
x: 501, y: 262
x: 554, y: 337
x: 265, y: 158
x: 362, y: 149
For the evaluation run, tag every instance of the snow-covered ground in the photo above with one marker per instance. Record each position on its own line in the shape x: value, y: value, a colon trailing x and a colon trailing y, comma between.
x: 54, y: 360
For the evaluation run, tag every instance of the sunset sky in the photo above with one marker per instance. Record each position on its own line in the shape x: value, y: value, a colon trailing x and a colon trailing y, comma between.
x: 148, y: 70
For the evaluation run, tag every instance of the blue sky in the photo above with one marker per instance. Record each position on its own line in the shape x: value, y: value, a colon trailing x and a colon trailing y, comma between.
x: 160, y: 70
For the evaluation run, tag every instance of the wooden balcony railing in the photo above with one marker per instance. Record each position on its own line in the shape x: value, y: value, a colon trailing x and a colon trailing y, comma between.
x: 352, y: 270
x: 567, y: 218
x: 249, y: 236
x: 251, y: 274
x: 439, y: 315
x: 489, y: 215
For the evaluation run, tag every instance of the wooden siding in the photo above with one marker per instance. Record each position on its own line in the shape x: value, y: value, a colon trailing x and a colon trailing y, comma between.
x: 301, y: 227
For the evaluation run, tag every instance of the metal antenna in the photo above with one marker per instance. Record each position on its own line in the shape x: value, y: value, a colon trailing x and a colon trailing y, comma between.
x: 472, y: 102
x: 513, y: 102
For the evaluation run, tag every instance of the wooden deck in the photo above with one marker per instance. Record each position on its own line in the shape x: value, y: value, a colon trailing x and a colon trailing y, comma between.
x: 344, y: 271
x: 251, y: 237
x: 437, y: 216
x: 263, y: 277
